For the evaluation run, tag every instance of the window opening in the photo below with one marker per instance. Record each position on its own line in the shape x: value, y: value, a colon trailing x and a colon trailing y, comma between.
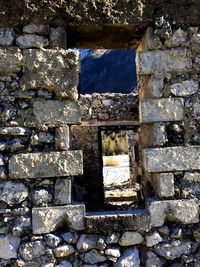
x: 109, y: 108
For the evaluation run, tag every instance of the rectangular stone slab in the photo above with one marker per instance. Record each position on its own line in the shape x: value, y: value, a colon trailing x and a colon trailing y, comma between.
x: 183, y: 211
x: 169, y: 159
x: 173, y: 60
x: 56, y: 113
x: 103, y: 222
x: 163, y: 109
x: 48, y: 219
x: 41, y: 165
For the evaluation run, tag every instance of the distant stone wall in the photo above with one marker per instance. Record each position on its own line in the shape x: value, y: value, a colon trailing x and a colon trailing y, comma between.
x: 40, y: 224
x: 109, y: 107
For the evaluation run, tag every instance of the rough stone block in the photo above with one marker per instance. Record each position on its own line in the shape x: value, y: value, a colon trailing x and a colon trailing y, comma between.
x: 184, y: 88
x: 169, y: 159
x: 160, y: 134
x: 56, y: 70
x: 6, y: 36
x: 62, y: 192
x: 32, y: 40
x: 11, y: 60
x: 163, y: 184
x: 174, y: 60
x: 62, y: 138
x: 41, y: 165
x: 164, y: 109
x: 58, y: 37
x: 54, y: 112
x: 103, y: 222
x: 46, y: 220
x: 42, y: 29
x: 179, y: 211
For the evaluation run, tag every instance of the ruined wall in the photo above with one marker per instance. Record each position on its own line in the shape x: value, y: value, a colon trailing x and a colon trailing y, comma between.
x: 39, y: 226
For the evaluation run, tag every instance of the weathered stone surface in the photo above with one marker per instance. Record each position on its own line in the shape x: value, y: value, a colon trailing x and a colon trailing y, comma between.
x: 180, y: 211
x: 153, y: 239
x: 153, y: 260
x: 184, y: 88
x: 56, y: 70
x: 58, y: 37
x: 41, y: 196
x: 48, y: 219
x: 12, y: 193
x: 173, y: 250
x: 63, y: 251
x: 130, y: 239
x: 3, y: 174
x: 9, y: 246
x: 93, y: 257
x: 62, y: 138
x: 87, y: 242
x: 130, y: 257
x: 164, y: 109
x: 106, y: 222
x: 172, y: 159
x: 53, y: 112
x: 192, y: 177
x: 15, y: 131
x: 113, y: 252
x: 163, y: 184
x: 70, y: 237
x: 31, y: 41
x: 36, y: 28
x: 31, y: 250
x: 52, y: 240
x: 174, y: 60
x: 62, y: 191
x: 160, y: 134
x: 6, y: 36
x: 113, y: 238
x: 11, y: 61
x: 35, y: 165
x: 21, y: 225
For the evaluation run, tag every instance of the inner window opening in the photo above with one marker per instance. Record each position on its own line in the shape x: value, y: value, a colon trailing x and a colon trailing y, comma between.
x: 121, y: 189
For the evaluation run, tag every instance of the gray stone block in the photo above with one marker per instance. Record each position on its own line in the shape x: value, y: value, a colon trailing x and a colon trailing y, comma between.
x: 161, y: 110
x: 11, y: 61
x: 163, y: 184
x: 169, y: 159
x: 54, y: 112
x: 6, y: 36
x: 62, y: 138
x: 174, y: 60
x: 184, y: 88
x: 56, y: 70
x: 103, y: 222
x: 62, y: 191
x: 41, y: 165
x: 32, y: 40
x: 42, y: 29
x: 180, y: 211
x: 46, y: 220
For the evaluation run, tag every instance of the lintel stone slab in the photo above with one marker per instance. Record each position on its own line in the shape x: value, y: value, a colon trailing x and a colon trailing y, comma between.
x: 180, y: 211
x: 104, y: 222
x: 170, y: 159
x: 174, y: 60
x: 41, y: 165
x: 56, y: 113
x: 161, y: 110
x: 48, y: 219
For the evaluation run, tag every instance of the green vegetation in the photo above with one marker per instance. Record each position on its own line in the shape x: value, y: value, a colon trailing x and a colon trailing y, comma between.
x: 114, y: 143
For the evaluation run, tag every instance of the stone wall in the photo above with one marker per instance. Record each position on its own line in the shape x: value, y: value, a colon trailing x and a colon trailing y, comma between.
x: 40, y: 225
